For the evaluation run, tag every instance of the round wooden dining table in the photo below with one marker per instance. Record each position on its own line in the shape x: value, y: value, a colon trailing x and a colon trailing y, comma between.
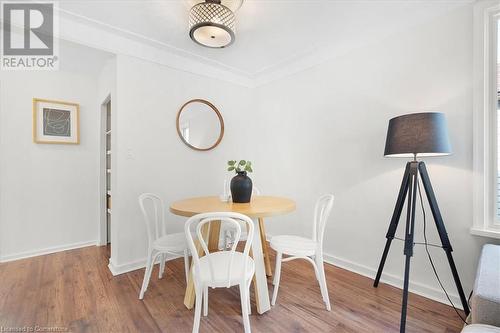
x: 258, y: 208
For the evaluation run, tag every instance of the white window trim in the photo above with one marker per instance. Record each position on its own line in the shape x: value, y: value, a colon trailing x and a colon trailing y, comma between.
x: 485, y: 105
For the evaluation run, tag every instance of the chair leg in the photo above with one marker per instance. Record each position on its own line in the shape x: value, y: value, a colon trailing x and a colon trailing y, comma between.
x: 316, y: 272
x: 186, y: 264
x: 163, y: 258
x: 205, y: 301
x: 197, y: 309
x: 322, y: 281
x: 275, y: 279
x: 248, y: 298
x: 277, y: 274
x: 147, y: 274
x: 244, y: 307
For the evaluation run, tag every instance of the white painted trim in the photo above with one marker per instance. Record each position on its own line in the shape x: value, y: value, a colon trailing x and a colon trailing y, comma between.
x: 144, y: 47
x: 296, y: 63
x: 484, y: 117
x: 417, y: 288
x: 306, y: 58
x: 86, y: 32
x: 135, y: 265
x: 48, y: 250
x: 2, y: 101
x: 159, y: 44
x: 485, y: 232
x: 102, y: 229
x: 393, y: 280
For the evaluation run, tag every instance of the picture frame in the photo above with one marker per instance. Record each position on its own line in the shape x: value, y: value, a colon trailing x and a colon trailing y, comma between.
x: 56, y: 122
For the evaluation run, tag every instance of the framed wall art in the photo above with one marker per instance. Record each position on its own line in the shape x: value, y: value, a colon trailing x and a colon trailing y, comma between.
x: 55, y: 122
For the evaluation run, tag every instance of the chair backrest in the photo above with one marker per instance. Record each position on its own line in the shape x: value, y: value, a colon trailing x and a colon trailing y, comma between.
x: 197, y: 222
x: 152, y: 210
x: 255, y: 190
x: 321, y: 213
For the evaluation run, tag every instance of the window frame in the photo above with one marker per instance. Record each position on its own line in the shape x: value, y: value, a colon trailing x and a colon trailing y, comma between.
x: 485, y: 135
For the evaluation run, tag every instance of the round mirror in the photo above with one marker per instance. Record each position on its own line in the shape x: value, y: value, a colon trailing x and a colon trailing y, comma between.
x: 200, y: 125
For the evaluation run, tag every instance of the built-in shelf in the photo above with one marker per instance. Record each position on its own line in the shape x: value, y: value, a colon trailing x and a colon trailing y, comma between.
x: 107, y: 158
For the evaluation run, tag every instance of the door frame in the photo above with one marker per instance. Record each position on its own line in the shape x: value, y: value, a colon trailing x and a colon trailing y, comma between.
x: 102, y: 228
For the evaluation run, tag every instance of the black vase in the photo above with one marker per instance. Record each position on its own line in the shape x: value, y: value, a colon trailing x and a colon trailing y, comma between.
x: 241, y: 188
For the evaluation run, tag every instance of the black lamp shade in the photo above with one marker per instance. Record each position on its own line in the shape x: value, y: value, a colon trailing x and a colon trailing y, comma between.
x: 418, y: 134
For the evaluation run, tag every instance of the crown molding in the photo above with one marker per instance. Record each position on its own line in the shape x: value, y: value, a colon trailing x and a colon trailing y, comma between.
x: 96, y: 34
x: 317, y: 55
x: 83, y: 30
x: 87, y: 31
x: 152, y: 42
x: 294, y: 64
x: 93, y: 33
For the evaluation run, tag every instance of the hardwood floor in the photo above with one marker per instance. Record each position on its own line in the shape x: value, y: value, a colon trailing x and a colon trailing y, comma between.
x: 76, y: 291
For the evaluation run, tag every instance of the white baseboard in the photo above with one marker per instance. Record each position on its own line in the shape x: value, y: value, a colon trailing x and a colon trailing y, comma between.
x: 135, y: 265
x: 391, y: 279
x: 48, y: 250
x: 394, y: 280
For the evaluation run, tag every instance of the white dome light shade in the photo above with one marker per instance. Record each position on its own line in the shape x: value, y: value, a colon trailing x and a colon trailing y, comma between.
x: 211, y: 24
x: 212, y: 36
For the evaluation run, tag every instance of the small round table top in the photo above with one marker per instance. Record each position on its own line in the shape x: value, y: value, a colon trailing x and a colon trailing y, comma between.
x: 259, y: 206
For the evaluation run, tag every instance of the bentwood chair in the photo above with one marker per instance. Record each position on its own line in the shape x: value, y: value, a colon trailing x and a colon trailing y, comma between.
x: 296, y: 247
x: 159, y: 242
x: 222, y: 269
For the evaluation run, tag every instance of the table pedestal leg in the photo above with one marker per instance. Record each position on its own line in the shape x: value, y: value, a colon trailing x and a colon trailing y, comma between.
x: 265, y: 249
x: 211, y: 232
x: 259, y: 279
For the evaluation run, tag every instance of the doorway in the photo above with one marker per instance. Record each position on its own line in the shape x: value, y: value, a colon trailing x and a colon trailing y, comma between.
x: 105, y: 172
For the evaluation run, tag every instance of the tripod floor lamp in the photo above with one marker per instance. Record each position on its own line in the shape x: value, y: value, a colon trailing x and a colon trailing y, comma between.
x: 417, y: 135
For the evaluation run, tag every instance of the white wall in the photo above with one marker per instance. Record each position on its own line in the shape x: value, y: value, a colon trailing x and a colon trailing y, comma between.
x: 151, y: 157
x: 320, y: 130
x: 324, y: 131
x: 48, y: 193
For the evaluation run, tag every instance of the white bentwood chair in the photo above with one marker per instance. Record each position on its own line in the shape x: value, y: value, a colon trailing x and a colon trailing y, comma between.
x: 296, y: 247
x: 255, y: 190
x: 159, y: 242
x: 222, y: 269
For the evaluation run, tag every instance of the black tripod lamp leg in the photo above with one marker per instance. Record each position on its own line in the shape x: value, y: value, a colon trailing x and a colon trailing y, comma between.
x: 443, y: 235
x: 404, y: 303
x: 409, y: 237
x: 456, y: 277
x: 394, y: 222
x: 382, y: 262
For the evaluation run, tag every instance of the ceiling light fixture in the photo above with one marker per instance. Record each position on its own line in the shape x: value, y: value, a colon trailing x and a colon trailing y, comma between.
x: 211, y: 22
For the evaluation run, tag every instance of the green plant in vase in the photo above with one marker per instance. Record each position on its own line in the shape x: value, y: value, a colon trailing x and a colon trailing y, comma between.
x: 239, y: 166
x: 241, y: 184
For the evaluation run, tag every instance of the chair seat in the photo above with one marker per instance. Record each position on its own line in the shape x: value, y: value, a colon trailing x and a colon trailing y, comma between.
x: 171, y: 243
x: 294, y: 245
x: 480, y: 328
x: 220, y: 263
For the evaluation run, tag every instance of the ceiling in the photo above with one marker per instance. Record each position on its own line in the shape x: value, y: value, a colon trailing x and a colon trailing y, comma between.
x: 270, y: 33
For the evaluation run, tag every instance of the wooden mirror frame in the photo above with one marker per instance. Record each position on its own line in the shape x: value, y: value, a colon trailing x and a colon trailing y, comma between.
x: 210, y: 105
